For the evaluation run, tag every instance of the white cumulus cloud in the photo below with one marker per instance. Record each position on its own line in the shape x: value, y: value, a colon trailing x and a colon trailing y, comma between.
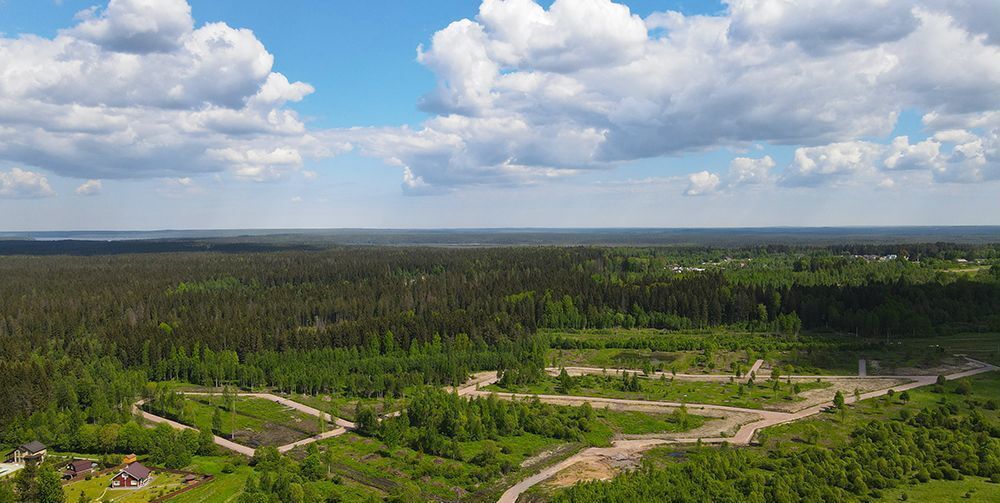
x: 702, y: 183
x: 89, y: 188
x: 136, y: 90
x: 23, y: 184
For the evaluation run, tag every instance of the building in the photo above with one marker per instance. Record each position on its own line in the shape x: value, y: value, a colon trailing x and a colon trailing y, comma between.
x: 129, y: 459
x: 132, y: 476
x: 32, y: 452
x: 78, y: 467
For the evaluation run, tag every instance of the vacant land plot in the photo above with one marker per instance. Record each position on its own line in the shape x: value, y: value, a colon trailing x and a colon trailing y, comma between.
x: 386, y: 470
x: 910, y: 357
x: 760, y: 396
x: 98, y: 489
x: 224, y: 487
x: 720, y: 351
x: 256, y: 421
x: 831, y: 430
x: 644, y: 423
x: 345, y: 407
x: 971, y: 489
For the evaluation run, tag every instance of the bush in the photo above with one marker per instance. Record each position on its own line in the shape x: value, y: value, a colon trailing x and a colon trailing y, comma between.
x: 964, y: 387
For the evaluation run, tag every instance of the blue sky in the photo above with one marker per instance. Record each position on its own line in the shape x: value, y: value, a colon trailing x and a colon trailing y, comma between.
x: 568, y: 113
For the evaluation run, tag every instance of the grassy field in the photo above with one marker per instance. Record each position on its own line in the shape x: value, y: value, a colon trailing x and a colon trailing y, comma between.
x: 684, y: 362
x: 99, y: 489
x: 759, y: 396
x: 344, y: 407
x: 223, y: 488
x: 834, y: 429
x: 387, y: 470
x: 820, y: 354
x: 641, y: 423
x: 972, y: 489
x: 370, y: 463
x: 256, y: 422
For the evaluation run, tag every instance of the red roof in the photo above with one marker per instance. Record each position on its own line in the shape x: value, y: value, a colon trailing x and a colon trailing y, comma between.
x: 136, y: 471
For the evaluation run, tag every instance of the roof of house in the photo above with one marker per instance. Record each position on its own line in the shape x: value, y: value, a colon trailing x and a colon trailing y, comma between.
x: 136, y: 471
x: 33, y: 447
x: 80, y: 465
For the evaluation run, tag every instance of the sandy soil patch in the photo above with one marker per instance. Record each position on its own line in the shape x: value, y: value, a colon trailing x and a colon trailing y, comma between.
x: 723, y: 425
x: 585, y: 469
x: 947, y: 366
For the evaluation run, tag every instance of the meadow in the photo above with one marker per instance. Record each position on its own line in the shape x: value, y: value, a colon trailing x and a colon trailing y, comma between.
x: 762, y: 395
x: 256, y: 421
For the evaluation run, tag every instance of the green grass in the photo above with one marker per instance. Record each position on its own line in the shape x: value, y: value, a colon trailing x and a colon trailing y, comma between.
x: 257, y: 421
x: 808, y: 353
x: 98, y: 488
x: 641, y: 423
x: 758, y: 396
x: 834, y: 428
x: 344, y: 407
x: 971, y: 489
x: 369, y: 462
x: 223, y: 488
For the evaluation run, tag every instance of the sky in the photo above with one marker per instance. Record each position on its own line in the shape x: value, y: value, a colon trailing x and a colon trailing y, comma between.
x: 201, y: 114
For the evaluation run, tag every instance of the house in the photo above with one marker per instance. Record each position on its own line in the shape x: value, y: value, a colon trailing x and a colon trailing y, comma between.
x: 128, y: 459
x: 132, y: 476
x: 32, y: 452
x: 78, y: 467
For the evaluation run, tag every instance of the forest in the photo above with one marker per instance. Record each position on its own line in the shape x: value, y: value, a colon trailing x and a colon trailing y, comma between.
x: 82, y: 337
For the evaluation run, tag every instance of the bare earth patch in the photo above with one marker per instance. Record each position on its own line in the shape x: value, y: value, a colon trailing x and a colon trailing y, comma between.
x: 948, y: 365
x: 721, y: 424
x: 585, y: 469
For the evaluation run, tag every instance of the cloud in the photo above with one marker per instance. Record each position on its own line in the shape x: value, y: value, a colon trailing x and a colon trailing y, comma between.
x: 949, y: 156
x: 137, y: 26
x: 135, y: 90
x: 743, y: 171
x: 749, y: 171
x: 525, y: 93
x: 22, y: 184
x: 813, y: 166
x: 89, y: 188
x: 956, y: 156
x: 821, y: 27
x: 181, y: 187
x: 702, y: 183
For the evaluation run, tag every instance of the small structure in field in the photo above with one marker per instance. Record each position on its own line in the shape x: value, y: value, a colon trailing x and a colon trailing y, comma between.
x: 30, y: 453
x: 133, y: 476
x: 78, y: 467
x: 129, y: 459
